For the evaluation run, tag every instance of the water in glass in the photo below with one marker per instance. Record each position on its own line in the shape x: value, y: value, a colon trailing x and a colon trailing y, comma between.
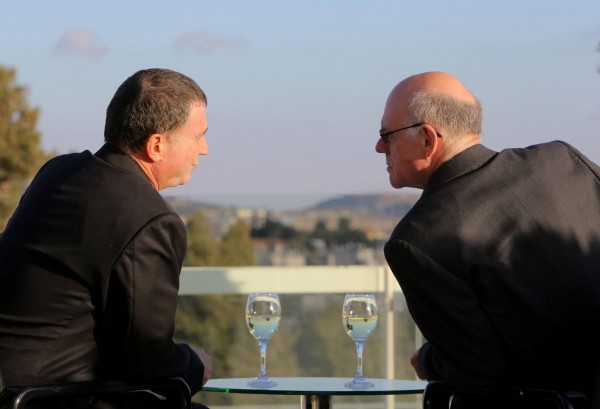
x: 263, y: 313
x: 359, y: 316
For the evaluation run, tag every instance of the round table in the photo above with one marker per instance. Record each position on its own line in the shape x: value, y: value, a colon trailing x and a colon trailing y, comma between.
x: 315, y: 393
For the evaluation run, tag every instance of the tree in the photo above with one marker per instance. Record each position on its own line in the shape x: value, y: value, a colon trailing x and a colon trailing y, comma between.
x: 216, y: 322
x: 345, y: 234
x: 321, y: 232
x: 274, y: 229
x: 236, y: 246
x: 20, y: 152
x: 202, y: 248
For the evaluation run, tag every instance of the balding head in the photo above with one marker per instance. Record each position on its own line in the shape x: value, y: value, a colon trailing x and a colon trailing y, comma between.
x: 436, y: 115
x: 439, y: 99
x: 435, y: 81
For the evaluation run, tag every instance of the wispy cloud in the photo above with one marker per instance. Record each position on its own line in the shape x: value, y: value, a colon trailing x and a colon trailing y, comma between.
x: 206, y: 43
x: 81, y: 42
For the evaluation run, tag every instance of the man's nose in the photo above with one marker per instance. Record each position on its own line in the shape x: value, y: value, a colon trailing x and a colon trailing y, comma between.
x: 380, y: 146
x: 203, y: 147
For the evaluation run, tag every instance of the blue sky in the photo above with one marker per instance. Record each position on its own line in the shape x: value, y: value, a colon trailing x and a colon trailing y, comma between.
x: 296, y: 89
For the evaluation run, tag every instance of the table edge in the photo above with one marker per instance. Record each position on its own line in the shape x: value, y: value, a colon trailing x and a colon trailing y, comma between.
x: 340, y: 392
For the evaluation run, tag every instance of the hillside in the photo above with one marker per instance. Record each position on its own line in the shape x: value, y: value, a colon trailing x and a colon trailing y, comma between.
x: 378, y: 205
x: 374, y: 214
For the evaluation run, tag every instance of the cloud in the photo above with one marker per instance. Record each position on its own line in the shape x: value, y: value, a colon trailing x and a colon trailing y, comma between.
x: 206, y: 43
x: 81, y: 42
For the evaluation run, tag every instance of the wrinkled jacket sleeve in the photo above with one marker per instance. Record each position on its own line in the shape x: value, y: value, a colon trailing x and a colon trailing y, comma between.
x: 140, y: 306
x: 464, y: 348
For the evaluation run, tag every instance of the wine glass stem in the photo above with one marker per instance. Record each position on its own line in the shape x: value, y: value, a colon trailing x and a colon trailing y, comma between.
x: 262, y: 374
x: 359, y: 354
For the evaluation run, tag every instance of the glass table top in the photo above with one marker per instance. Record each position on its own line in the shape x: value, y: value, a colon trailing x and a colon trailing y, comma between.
x: 316, y: 386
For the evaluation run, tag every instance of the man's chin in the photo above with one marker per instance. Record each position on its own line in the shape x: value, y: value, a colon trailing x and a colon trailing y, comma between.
x: 395, y: 184
x: 185, y: 178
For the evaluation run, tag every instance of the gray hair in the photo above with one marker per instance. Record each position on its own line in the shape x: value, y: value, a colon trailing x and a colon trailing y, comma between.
x: 453, y: 117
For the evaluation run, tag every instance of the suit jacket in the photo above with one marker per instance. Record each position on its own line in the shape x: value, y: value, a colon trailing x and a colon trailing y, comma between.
x: 499, y: 261
x: 89, y: 275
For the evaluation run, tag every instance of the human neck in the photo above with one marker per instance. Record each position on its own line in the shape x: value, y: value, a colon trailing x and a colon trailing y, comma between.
x: 459, y: 145
x: 147, y: 169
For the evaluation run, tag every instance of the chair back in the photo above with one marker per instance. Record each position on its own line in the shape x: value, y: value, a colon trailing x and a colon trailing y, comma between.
x: 595, y: 398
x: 175, y: 391
x: 438, y: 395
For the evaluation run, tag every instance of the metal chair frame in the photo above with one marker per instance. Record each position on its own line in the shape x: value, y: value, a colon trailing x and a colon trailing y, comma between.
x: 437, y: 395
x: 173, y: 389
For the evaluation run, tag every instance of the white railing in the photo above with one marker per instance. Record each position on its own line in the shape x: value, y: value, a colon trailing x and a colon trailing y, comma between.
x: 304, y: 280
x: 287, y: 280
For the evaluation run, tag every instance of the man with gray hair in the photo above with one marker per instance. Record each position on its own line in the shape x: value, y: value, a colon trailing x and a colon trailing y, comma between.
x: 499, y: 258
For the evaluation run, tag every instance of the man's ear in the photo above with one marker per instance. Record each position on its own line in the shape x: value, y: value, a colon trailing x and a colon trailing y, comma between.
x: 154, y: 147
x: 431, y: 140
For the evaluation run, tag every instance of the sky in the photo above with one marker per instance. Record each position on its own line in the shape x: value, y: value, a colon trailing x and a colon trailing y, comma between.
x: 296, y: 89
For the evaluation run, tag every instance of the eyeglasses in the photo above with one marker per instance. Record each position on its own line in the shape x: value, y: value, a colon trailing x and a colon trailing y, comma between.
x: 386, y: 135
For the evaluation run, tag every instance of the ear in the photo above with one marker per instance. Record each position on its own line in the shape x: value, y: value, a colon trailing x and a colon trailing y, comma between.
x: 431, y: 140
x: 154, y: 147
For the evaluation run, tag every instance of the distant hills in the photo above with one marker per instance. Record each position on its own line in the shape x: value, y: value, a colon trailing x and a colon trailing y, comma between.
x: 378, y: 205
x: 374, y: 214
x: 383, y: 205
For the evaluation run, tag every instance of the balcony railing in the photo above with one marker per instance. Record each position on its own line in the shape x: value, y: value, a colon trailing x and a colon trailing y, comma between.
x: 307, y: 280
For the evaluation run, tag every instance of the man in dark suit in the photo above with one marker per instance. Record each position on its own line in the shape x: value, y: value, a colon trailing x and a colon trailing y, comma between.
x: 90, y: 260
x: 499, y: 259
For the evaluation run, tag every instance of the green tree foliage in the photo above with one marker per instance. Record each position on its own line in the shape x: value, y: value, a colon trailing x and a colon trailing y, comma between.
x: 216, y: 322
x: 321, y: 239
x: 212, y: 321
x: 346, y: 234
x: 274, y: 230
x: 20, y: 151
x: 321, y: 231
x: 236, y: 246
x: 202, y: 248
x: 320, y: 324
x: 321, y: 235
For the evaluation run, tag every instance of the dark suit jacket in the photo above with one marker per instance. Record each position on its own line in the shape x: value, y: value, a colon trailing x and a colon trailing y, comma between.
x: 89, y: 275
x: 499, y: 261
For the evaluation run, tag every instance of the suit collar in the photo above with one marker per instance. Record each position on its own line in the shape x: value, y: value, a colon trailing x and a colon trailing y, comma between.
x: 117, y: 158
x: 464, y: 162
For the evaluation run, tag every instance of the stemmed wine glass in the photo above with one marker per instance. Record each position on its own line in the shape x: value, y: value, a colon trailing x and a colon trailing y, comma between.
x: 359, y: 316
x: 263, y: 313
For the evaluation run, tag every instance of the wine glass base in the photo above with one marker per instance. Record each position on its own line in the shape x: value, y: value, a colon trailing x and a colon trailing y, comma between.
x: 262, y: 383
x: 359, y: 384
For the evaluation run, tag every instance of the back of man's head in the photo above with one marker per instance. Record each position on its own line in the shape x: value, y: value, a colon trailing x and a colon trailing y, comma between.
x: 453, y: 117
x: 150, y: 101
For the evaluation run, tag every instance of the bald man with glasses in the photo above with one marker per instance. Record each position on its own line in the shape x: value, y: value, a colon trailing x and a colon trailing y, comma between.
x: 499, y: 259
